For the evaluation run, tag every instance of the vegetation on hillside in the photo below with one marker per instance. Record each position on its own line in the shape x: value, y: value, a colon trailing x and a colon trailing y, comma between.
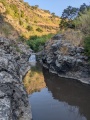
x: 70, y: 14
x: 36, y: 43
x: 77, y: 21
x: 28, y: 20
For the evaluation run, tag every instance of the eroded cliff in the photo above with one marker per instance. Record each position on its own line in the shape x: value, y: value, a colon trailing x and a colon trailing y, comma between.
x: 14, y: 64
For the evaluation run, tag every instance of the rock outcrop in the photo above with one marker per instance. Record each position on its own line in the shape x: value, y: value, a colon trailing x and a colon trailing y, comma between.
x: 14, y: 64
x: 65, y: 59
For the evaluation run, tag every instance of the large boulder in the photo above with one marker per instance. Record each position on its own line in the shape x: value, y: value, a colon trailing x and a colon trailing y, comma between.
x: 66, y: 59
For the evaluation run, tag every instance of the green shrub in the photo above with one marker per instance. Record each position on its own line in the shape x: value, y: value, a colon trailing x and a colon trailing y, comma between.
x: 87, y: 45
x: 22, y: 14
x: 39, y: 30
x: 29, y: 28
x: 20, y: 22
x: 36, y: 43
x: 27, y: 19
x: 35, y: 21
x: 83, y: 22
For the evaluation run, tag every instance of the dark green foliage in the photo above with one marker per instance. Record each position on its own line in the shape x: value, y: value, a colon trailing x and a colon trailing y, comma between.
x: 63, y: 24
x: 70, y: 13
x: 39, y: 30
x: 87, y: 45
x: 37, y: 6
x: 27, y: 20
x: 29, y: 28
x: 36, y: 43
x: 47, y: 11
x: 20, y: 22
x: 22, y: 14
x: 35, y: 21
x: 67, y: 17
x: 53, y: 14
x: 84, y: 7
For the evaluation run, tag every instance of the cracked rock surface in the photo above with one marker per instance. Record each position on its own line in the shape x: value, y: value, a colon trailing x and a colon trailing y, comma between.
x: 62, y: 57
x: 14, y: 64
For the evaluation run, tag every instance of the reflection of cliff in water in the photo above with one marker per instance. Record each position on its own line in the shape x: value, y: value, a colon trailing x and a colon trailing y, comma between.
x: 34, y: 80
x: 69, y: 91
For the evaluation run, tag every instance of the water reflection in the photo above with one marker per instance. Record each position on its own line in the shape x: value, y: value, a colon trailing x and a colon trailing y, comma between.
x: 34, y: 79
x: 62, y: 99
x: 69, y: 91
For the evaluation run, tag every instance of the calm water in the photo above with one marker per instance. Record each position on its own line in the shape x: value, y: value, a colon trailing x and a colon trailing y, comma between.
x: 59, y: 98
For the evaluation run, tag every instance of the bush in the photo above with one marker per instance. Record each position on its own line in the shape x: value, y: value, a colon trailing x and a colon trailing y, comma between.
x: 29, y: 28
x: 87, y: 46
x: 39, y: 30
x: 22, y: 14
x: 27, y: 19
x: 36, y: 43
x: 83, y: 22
x: 20, y: 22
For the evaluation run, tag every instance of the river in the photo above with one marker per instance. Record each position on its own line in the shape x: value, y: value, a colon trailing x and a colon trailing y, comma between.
x: 55, y: 98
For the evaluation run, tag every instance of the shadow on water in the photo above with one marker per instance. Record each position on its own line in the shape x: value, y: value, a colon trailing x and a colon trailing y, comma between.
x: 69, y: 91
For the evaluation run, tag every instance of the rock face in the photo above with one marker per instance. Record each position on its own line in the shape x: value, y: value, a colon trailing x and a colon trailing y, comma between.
x: 65, y: 59
x: 13, y: 66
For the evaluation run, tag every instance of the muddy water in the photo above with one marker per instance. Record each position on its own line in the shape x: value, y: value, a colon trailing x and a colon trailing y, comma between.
x: 55, y: 98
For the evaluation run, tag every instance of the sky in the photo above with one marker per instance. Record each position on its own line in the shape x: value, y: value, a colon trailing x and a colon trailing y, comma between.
x: 56, y: 6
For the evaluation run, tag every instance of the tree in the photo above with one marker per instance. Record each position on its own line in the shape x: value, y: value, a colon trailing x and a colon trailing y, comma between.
x: 68, y: 15
x: 53, y: 14
x: 84, y: 7
x: 37, y: 6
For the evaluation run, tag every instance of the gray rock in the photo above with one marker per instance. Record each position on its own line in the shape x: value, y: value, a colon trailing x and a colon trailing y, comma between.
x: 5, y: 109
x: 57, y: 37
x: 14, y: 64
x: 65, y: 59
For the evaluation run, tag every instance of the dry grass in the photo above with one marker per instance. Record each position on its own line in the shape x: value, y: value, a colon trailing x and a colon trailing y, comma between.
x: 74, y: 37
x: 36, y: 18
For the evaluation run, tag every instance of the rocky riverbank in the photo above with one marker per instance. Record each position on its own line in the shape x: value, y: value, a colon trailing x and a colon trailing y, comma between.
x: 14, y: 64
x: 67, y: 60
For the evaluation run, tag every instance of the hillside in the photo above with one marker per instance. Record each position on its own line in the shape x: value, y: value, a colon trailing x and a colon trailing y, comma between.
x: 18, y: 18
